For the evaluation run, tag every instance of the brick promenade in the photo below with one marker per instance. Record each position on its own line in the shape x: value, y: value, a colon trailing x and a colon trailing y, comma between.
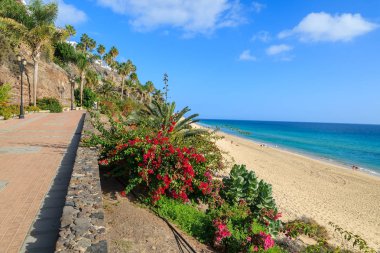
x: 31, y: 150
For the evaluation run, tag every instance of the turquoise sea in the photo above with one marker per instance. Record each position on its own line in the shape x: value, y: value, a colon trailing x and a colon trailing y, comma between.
x: 347, y: 144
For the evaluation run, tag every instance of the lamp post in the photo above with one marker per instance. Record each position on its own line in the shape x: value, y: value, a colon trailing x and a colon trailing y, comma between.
x: 22, y: 64
x: 72, y: 83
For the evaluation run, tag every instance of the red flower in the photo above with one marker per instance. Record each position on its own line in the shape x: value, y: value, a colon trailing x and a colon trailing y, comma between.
x: 103, y: 162
x: 123, y: 194
x: 204, y: 187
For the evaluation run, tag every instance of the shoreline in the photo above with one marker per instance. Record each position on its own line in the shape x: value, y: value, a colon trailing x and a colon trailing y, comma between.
x: 342, y: 165
x: 312, y: 187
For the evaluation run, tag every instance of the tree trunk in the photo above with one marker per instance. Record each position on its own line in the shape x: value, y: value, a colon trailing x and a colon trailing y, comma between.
x: 35, y: 79
x: 122, y: 87
x: 81, y: 87
x: 29, y: 87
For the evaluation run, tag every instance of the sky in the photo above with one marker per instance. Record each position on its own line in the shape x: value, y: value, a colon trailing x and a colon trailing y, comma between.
x: 296, y: 60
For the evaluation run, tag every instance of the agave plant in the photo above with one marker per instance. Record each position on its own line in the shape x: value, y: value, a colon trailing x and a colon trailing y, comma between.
x: 244, y: 185
x: 161, y: 115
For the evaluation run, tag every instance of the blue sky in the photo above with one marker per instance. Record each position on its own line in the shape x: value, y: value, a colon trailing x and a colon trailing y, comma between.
x: 295, y: 60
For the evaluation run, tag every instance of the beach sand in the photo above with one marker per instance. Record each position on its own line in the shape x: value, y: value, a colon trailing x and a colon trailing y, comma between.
x: 304, y: 186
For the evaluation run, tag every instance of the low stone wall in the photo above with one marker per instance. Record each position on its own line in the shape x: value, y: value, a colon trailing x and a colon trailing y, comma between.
x: 82, y: 223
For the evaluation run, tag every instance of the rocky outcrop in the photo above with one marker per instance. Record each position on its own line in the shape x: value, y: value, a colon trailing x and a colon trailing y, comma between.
x: 53, y: 81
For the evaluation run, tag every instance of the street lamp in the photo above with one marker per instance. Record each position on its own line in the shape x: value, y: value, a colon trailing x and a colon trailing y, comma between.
x: 22, y: 63
x: 72, y: 84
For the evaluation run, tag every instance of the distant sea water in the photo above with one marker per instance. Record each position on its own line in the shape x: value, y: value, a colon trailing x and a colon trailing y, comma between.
x: 346, y: 144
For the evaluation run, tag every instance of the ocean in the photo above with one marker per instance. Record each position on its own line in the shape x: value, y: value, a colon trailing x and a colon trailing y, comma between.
x: 346, y: 144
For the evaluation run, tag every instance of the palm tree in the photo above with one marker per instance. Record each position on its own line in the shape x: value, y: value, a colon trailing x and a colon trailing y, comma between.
x: 36, y: 30
x: 101, y: 50
x: 114, y: 52
x: 149, y: 87
x: 70, y: 30
x: 163, y: 115
x: 134, y: 82
x: 86, y: 44
x: 108, y: 59
x: 125, y: 69
x: 92, y: 78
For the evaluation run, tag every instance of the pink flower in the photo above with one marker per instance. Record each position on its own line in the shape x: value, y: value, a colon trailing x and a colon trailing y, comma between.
x: 267, y: 240
x: 221, y: 231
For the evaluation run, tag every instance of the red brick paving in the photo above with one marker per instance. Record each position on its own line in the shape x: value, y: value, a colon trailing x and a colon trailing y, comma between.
x: 29, y: 173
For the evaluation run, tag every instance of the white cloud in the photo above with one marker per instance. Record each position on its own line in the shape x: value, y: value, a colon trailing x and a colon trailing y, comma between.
x: 262, y: 36
x: 247, y: 56
x: 258, y: 7
x: 191, y: 16
x: 69, y: 15
x: 325, y: 27
x: 278, y: 49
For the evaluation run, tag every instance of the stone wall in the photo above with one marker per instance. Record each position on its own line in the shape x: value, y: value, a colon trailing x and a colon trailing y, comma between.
x: 82, y: 223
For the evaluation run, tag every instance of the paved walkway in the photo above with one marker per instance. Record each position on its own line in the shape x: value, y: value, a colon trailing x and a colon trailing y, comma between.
x: 32, y: 151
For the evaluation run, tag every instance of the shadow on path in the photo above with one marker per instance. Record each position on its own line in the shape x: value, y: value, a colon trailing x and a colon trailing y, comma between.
x: 43, y: 234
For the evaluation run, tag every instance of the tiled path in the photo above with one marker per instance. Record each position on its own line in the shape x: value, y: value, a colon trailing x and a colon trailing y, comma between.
x: 31, y: 150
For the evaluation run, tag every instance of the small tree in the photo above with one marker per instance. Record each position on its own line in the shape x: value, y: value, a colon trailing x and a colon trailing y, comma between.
x: 89, y: 97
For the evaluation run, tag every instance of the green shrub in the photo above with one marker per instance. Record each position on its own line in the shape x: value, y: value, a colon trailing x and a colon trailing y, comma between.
x: 89, y: 97
x: 191, y: 220
x: 307, y: 227
x: 8, y: 111
x: 51, y: 104
x: 64, y: 53
x: 32, y: 108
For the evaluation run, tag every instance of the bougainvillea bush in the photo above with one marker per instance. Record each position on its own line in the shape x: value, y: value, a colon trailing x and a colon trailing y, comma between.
x: 161, y: 167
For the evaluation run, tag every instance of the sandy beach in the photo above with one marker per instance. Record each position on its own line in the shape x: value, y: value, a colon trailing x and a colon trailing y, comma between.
x: 304, y: 186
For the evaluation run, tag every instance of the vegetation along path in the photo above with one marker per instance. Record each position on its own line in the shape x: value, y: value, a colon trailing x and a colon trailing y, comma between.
x: 36, y: 156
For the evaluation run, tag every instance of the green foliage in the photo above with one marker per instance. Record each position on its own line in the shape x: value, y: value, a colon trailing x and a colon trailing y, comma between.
x: 14, y: 10
x: 194, y: 222
x: 51, y: 104
x: 65, y: 53
x: 307, y: 227
x: 32, y: 24
x: 6, y: 52
x: 32, y: 108
x: 244, y: 185
x: 8, y: 111
x: 5, y: 93
x: 356, y: 241
x: 158, y: 114
x: 89, y: 97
